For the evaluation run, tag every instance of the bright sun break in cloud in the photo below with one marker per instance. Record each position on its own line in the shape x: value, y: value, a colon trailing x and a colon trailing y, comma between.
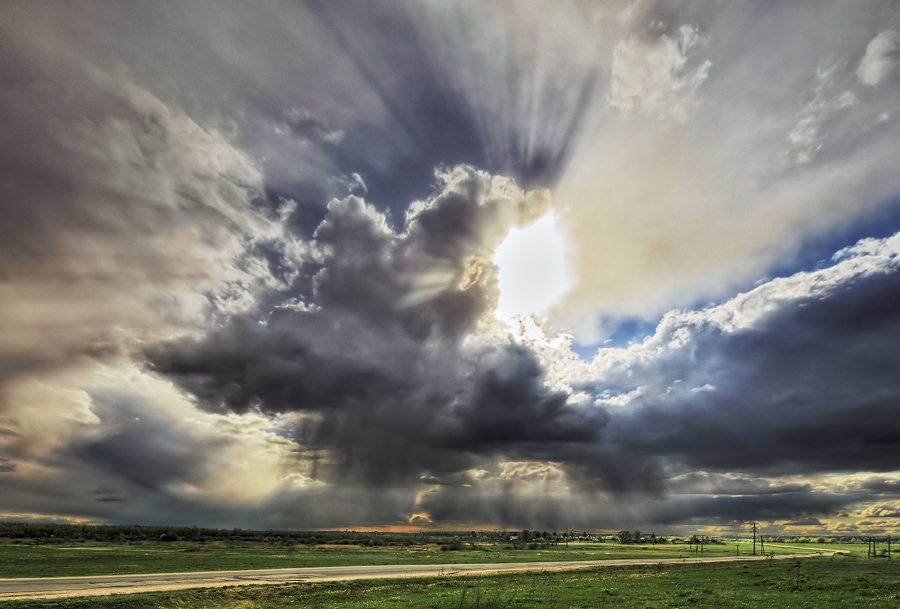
x: 532, y: 268
x: 531, y: 264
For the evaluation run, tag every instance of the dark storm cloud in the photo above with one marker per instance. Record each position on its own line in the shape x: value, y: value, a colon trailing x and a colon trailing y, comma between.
x: 711, y: 483
x: 876, y: 485
x: 808, y: 386
x: 529, y: 508
x: 141, y: 447
x: 379, y: 357
x: 741, y: 509
x: 793, y: 378
x: 107, y: 495
x: 724, y: 414
x: 547, y: 503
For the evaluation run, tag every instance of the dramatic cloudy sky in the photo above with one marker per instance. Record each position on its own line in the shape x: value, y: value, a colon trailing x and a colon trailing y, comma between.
x: 456, y: 264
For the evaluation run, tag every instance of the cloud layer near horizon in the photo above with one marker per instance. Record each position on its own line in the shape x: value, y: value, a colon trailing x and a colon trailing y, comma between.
x: 247, y: 275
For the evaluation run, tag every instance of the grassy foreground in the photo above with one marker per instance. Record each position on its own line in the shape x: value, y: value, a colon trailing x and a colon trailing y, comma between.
x: 814, y: 582
x: 18, y: 560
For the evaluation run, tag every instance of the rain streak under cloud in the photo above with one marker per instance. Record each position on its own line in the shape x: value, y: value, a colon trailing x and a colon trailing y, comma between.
x: 530, y: 264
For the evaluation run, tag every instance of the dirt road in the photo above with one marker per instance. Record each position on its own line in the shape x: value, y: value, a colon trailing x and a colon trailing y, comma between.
x: 55, y: 587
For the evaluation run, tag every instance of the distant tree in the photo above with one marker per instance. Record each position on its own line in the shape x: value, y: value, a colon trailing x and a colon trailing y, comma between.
x: 454, y: 546
x: 624, y: 537
x: 637, y: 537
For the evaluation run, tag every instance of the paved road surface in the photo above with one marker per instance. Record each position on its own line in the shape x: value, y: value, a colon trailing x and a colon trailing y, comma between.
x: 54, y: 587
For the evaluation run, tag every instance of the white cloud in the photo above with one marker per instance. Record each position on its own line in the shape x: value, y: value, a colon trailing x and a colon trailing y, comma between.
x: 806, y: 137
x: 665, y: 216
x: 749, y: 309
x: 530, y: 471
x: 679, y: 331
x: 651, y: 76
x: 880, y: 58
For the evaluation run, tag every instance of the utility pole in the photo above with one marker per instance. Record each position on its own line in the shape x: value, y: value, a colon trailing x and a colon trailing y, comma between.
x: 754, y: 539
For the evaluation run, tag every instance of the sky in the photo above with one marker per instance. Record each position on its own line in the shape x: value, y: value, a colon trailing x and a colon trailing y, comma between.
x: 415, y: 265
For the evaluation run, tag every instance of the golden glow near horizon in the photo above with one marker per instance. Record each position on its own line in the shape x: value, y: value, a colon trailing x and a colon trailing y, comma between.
x: 533, y: 273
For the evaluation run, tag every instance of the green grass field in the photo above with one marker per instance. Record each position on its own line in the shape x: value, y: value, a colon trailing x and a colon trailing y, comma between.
x: 22, y: 560
x: 18, y: 560
x: 842, y: 581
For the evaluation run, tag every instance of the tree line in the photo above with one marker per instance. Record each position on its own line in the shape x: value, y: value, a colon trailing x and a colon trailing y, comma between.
x: 112, y: 533
x: 454, y: 540
x: 58, y: 533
